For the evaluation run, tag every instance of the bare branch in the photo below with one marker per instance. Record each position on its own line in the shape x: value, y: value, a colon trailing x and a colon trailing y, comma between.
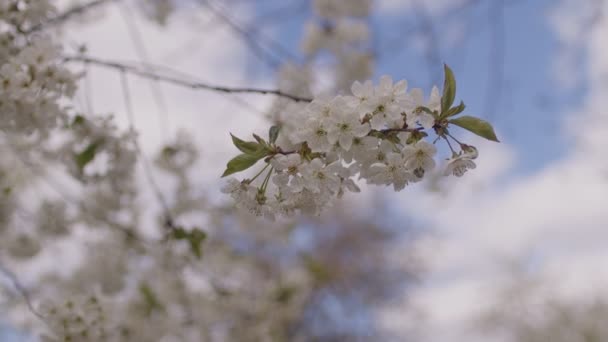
x: 169, y: 220
x: 22, y: 290
x: 179, y: 81
x: 267, y: 55
x: 60, y: 18
x: 140, y: 49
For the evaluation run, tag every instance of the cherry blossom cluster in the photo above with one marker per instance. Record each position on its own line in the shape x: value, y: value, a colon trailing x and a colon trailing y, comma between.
x: 25, y: 14
x: 31, y: 85
x: 32, y: 82
x: 103, y: 159
x: 79, y: 319
x: 376, y: 133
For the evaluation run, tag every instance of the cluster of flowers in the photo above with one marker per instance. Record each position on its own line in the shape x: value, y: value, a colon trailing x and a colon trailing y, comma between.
x: 79, y: 319
x: 32, y: 83
x: 25, y: 14
x: 103, y: 159
x: 378, y: 133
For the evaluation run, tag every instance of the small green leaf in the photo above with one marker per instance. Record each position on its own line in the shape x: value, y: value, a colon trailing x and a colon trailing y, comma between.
x: 454, y: 111
x: 86, y: 156
x: 195, y: 238
x: 243, y: 162
x: 273, y: 133
x: 476, y: 125
x: 169, y: 151
x: 449, y: 89
x: 78, y: 120
x: 150, y: 299
x: 259, y: 139
x: 7, y: 190
x: 415, y: 137
x: 376, y: 134
x: 180, y: 233
x: 247, y: 147
x: 319, y: 271
x: 425, y: 109
x: 284, y: 294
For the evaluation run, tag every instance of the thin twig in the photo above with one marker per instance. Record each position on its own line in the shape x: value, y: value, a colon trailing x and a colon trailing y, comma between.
x: 60, y: 18
x: 22, y: 291
x: 265, y: 55
x: 169, y: 221
x: 140, y: 49
x: 178, y: 81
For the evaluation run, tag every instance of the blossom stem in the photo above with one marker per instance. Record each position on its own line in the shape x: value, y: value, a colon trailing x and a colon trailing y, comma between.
x: 259, y: 173
x: 449, y: 144
x: 266, y: 180
x: 456, y: 140
x: 389, y: 130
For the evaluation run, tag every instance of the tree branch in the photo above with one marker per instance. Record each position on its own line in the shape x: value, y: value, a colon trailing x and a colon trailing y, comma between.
x: 179, y: 81
x: 21, y: 290
x: 60, y: 18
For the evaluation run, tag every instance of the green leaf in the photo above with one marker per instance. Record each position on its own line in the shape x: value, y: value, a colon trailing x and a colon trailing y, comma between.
x: 180, y: 234
x: 78, y: 120
x: 449, y: 89
x: 284, y: 294
x: 86, y: 156
x: 150, y: 298
x: 415, y: 137
x: 319, y: 271
x: 243, y: 162
x: 247, y: 147
x: 273, y: 133
x: 454, y: 111
x: 259, y: 139
x: 195, y: 238
x: 169, y: 151
x: 476, y: 125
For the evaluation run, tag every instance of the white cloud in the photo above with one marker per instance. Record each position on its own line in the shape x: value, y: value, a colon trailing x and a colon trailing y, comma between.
x: 556, y: 217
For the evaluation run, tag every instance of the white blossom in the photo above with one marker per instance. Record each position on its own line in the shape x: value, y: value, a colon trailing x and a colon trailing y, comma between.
x: 419, y: 157
x: 363, y: 99
x: 459, y: 165
x: 320, y: 178
x: 393, y: 171
x: 315, y: 133
x: 423, y: 118
x: 344, y: 127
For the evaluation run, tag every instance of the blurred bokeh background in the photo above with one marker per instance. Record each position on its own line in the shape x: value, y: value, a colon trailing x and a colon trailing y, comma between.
x: 513, y: 251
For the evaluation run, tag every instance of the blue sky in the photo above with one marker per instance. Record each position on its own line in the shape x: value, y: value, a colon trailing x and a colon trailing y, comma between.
x: 529, y: 107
